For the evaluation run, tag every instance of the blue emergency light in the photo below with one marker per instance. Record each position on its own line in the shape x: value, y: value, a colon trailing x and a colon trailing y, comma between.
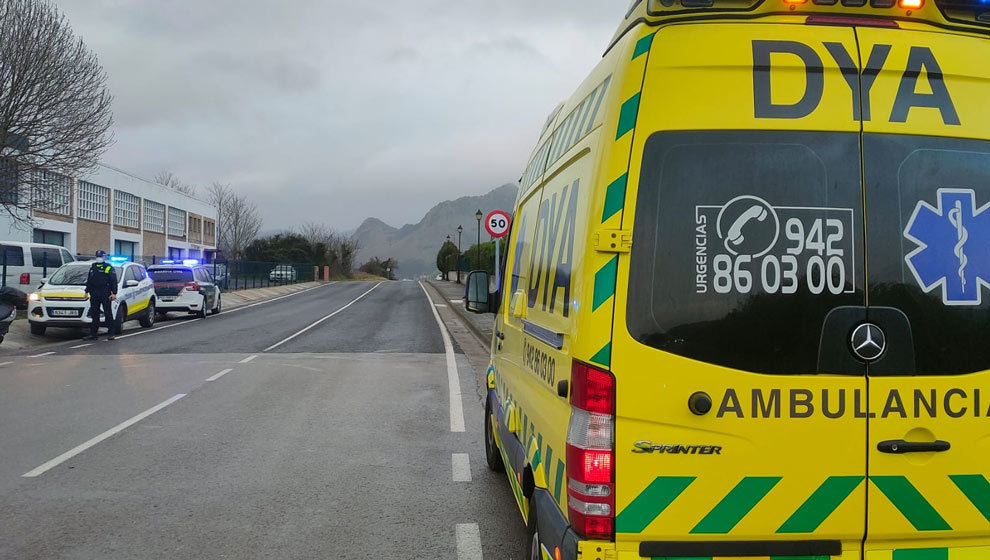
x: 190, y: 262
x: 166, y: 262
x: 119, y: 260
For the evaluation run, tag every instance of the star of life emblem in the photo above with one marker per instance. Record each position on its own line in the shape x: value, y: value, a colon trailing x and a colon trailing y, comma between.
x: 953, y: 250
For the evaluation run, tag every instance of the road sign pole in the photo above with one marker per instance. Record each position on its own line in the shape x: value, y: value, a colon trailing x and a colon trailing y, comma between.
x: 498, y: 267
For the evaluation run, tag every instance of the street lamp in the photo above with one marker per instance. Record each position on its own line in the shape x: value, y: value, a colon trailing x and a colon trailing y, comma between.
x: 460, y: 230
x: 478, y: 215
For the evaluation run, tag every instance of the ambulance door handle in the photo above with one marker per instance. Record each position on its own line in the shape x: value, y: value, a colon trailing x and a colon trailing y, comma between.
x: 899, y: 446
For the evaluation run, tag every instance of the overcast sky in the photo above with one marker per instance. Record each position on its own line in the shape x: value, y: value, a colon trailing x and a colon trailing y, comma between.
x: 337, y: 110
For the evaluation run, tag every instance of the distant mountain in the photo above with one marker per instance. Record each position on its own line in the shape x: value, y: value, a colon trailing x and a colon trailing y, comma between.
x: 415, y: 246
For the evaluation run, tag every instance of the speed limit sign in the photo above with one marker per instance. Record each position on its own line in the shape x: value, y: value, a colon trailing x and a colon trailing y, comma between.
x: 497, y: 223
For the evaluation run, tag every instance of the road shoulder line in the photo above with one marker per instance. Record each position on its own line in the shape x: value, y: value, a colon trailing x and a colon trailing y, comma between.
x: 453, y: 380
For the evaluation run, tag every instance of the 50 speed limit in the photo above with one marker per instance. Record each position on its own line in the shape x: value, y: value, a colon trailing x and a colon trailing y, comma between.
x: 779, y: 274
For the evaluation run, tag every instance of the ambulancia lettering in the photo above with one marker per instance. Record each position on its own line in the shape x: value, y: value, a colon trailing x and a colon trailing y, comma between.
x: 840, y: 403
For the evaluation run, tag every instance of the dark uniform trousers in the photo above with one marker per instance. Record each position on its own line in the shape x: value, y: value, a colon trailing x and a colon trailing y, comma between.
x: 96, y: 301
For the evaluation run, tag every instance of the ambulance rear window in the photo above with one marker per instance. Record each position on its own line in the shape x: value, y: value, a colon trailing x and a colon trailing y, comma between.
x: 743, y: 242
x: 928, y: 210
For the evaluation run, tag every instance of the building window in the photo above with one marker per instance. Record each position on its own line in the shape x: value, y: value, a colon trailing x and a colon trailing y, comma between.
x: 49, y: 237
x: 174, y: 253
x: 176, y: 222
x: 8, y: 181
x: 195, y: 225
x: 94, y: 202
x: 124, y: 249
x: 53, y: 193
x: 126, y: 209
x: 154, y: 216
x: 210, y: 229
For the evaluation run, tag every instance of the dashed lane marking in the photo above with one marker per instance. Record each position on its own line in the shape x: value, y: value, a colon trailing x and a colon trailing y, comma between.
x: 105, y: 435
x: 80, y: 346
x: 42, y: 355
x: 468, y: 541
x: 6, y: 364
x: 219, y: 375
x: 453, y: 381
x: 461, y: 467
x: 316, y: 323
x: 248, y: 360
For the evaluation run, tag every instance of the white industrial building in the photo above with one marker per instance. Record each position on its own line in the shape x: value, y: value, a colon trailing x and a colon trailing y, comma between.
x: 114, y: 211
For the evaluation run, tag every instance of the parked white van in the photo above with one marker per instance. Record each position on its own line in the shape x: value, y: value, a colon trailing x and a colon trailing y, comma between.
x: 28, y: 263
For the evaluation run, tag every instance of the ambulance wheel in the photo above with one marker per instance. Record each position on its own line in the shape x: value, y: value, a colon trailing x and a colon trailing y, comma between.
x: 148, y: 320
x: 217, y: 309
x: 38, y: 329
x: 118, y: 323
x: 492, y: 454
x: 534, y: 535
x: 202, y: 310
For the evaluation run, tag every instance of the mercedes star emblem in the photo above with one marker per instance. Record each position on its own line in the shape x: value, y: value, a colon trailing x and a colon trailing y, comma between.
x: 868, y: 342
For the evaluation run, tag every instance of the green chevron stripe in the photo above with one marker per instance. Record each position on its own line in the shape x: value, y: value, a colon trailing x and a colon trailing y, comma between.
x: 627, y: 116
x: 643, y: 46
x: 734, y: 507
x: 650, y: 503
x: 821, y: 504
x: 560, y: 479
x: 615, y: 197
x: 549, y: 462
x: 922, y: 554
x: 605, y: 283
x: 976, y: 489
x: 604, y: 356
x: 912, y: 505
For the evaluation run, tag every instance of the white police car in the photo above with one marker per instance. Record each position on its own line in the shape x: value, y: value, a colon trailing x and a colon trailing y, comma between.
x: 62, y: 301
x: 185, y: 286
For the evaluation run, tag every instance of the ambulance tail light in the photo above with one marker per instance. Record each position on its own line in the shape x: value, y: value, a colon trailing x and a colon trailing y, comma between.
x: 911, y: 4
x: 192, y: 287
x: 591, y: 452
x: 25, y: 278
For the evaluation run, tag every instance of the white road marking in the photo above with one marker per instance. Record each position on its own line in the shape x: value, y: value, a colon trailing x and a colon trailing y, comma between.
x: 107, y: 434
x: 315, y: 324
x: 80, y: 346
x: 226, y: 312
x: 6, y: 364
x: 219, y: 375
x: 41, y: 355
x: 248, y: 360
x: 453, y: 381
x: 441, y: 305
x: 468, y: 541
x: 461, y: 463
x: 457, y: 301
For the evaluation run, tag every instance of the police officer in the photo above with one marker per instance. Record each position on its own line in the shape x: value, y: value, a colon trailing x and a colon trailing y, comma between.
x: 101, y: 287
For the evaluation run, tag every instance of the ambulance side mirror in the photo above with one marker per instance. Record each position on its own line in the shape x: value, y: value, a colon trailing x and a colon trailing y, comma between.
x: 477, y: 298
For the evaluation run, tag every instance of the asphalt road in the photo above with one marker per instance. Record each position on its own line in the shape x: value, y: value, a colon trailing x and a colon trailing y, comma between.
x: 320, y: 425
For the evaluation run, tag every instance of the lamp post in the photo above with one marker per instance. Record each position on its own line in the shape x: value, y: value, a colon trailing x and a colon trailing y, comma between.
x: 460, y: 230
x: 478, y: 215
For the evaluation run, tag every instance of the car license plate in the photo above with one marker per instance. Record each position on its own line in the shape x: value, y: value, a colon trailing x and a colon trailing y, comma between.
x: 64, y: 313
x: 167, y: 298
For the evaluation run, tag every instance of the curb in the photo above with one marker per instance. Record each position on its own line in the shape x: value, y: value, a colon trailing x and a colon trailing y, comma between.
x: 480, y: 336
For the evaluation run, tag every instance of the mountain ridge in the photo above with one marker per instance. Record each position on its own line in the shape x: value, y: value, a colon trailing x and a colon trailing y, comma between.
x: 415, y: 246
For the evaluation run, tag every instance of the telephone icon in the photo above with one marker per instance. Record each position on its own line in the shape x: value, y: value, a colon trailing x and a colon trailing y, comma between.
x: 735, y: 234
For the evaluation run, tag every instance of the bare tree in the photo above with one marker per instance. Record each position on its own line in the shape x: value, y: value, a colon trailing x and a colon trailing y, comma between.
x: 238, y: 221
x: 55, y: 112
x: 317, y: 233
x: 171, y: 180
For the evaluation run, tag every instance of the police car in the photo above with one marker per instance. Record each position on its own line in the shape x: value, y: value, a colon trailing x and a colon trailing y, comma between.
x: 62, y: 301
x: 746, y: 301
x: 185, y: 286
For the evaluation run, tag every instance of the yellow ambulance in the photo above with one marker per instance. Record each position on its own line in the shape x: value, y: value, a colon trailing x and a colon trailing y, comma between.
x: 742, y: 311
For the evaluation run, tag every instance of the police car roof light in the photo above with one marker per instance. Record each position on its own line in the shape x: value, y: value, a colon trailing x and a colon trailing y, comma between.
x: 190, y: 262
x: 166, y: 262
x: 119, y: 259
